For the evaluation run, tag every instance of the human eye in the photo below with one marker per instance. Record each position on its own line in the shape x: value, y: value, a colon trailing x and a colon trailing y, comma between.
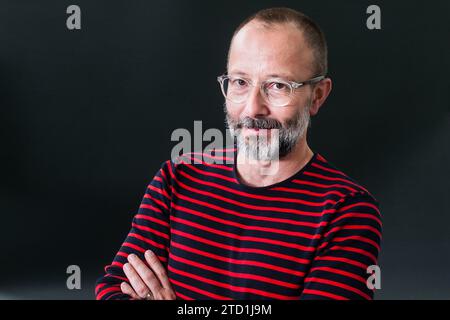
x: 238, y: 83
x: 278, y: 86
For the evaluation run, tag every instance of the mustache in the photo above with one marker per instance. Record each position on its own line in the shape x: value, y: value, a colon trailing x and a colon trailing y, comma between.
x: 258, y: 123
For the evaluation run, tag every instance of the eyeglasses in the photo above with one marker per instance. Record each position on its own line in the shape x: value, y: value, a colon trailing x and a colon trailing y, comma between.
x: 277, y: 92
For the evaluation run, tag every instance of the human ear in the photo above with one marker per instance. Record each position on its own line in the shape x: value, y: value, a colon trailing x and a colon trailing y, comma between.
x: 320, y: 93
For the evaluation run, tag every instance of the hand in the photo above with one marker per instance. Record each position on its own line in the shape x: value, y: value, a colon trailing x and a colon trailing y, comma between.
x: 151, y: 283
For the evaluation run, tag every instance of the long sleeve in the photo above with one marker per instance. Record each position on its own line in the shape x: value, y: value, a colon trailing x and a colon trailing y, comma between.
x: 350, y: 244
x: 150, y: 229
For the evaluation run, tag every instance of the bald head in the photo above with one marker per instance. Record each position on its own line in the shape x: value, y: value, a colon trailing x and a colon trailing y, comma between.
x: 287, y: 20
x: 279, y: 50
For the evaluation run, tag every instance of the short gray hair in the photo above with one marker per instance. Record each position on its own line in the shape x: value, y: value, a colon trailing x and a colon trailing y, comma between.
x: 314, y: 36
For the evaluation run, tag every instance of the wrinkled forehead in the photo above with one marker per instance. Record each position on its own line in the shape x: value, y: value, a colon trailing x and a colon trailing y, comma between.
x: 259, y: 50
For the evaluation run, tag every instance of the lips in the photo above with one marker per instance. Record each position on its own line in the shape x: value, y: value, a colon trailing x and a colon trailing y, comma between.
x: 257, y: 130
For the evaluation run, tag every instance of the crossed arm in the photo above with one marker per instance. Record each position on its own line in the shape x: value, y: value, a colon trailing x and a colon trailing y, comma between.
x: 351, y: 243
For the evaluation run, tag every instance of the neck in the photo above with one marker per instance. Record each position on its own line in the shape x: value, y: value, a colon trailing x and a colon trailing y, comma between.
x: 264, y: 173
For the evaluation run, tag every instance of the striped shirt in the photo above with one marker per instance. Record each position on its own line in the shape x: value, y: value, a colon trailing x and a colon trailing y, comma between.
x: 311, y: 236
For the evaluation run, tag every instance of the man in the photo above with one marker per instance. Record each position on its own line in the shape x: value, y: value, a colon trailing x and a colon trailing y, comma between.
x: 304, y: 230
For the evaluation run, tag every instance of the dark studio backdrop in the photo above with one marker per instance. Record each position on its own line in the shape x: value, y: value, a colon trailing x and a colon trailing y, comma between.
x: 86, y: 118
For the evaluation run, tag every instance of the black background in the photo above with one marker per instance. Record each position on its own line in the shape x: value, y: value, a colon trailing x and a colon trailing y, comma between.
x: 86, y: 118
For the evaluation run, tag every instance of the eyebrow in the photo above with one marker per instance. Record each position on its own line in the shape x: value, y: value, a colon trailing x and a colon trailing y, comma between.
x: 273, y: 75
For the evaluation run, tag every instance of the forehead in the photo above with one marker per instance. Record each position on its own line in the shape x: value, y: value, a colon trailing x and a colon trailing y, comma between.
x: 279, y: 49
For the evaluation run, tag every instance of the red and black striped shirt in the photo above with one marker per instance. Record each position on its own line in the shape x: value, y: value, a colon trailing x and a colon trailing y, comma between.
x: 311, y: 236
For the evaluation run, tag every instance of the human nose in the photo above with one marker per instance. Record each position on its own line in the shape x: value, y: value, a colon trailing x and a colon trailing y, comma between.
x: 255, y: 105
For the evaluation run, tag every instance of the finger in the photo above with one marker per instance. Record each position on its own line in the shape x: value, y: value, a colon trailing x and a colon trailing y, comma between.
x: 136, y: 282
x: 158, y: 269
x: 127, y: 289
x: 145, y: 273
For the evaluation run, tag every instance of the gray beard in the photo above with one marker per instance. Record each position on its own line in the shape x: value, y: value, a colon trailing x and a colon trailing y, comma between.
x: 282, y: 140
